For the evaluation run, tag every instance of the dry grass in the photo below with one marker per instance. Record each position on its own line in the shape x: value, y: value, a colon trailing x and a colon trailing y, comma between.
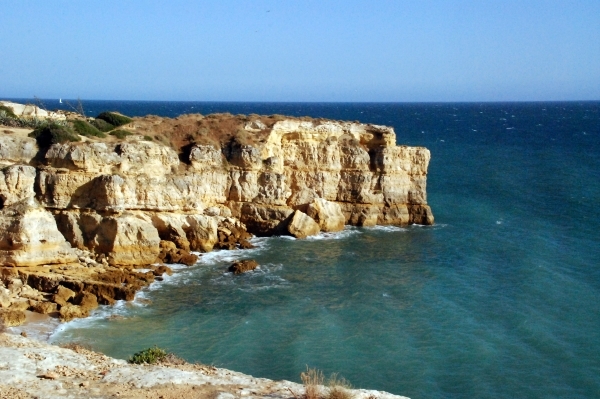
x: 312, y: 380
x: 339, y: 388
x: 172, y: 359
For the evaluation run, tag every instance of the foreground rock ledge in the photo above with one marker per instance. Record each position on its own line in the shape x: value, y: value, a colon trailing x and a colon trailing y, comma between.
x: 30, y: 368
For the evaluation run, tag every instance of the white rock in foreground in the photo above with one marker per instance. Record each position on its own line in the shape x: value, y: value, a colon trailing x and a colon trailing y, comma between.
x: 29, y: 367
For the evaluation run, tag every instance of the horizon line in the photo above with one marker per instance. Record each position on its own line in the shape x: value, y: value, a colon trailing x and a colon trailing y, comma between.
x: 34, y: 99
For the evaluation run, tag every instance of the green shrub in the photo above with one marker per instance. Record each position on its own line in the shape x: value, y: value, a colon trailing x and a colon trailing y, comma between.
x: 8, y: 111
x: 86, y: 129
x: 52, y: 133
x: 148, y: 356
x: 114, y: 118
x: 148, y: 138
x: 121, y: 134
x: 102, y: 125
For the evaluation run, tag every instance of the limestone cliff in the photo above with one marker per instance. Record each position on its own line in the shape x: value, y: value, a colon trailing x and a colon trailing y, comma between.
x: 120, y: 198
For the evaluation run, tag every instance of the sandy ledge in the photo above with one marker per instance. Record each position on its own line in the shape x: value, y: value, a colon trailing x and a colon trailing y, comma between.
x: 33, y: 369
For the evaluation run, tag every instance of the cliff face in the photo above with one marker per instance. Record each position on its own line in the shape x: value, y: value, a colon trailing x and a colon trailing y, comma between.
x: 119, y: 199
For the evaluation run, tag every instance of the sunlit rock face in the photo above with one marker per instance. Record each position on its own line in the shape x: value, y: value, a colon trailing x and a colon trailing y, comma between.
x: 121, y: 198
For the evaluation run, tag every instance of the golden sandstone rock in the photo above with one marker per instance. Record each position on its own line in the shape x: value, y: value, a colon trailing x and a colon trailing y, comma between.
x: 11, y: 318
x: 121, y: 198
x: 302, y: 225
x: 243, y: 266
x: 203, y: 183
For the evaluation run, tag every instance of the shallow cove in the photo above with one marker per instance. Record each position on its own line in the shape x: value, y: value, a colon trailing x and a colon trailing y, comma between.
x: 499, y: 299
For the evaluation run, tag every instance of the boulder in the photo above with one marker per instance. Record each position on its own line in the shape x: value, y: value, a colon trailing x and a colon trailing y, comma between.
x: 127, y: 240
x: 170, y: 228
x: 17, y: 150
x: 327, y: 214
x: 86, y: 301
x: 162, y: 269
x: 4, y: 297
x: 29, y: 237
x: 70, y: 312
x: 243, y: 266
x: 16, y: 184
x: 12, y: 318
x: 62, y: 295
x: 202, y: 232
x: 20, y: 304
x: 232, y: 234
x: 45, y: 307
x: 302, y: 225
x: 188, y: 259
x: 169, y: 253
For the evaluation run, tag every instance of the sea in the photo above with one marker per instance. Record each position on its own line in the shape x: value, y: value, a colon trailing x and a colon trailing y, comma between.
x: 499, y: 299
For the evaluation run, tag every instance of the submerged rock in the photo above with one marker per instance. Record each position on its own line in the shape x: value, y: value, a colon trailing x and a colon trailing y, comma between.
x: 243, y: 266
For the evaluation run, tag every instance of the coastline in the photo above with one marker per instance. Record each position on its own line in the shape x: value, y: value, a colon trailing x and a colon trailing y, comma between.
x: 82, y: 373
x: 31, y: 368
x: 93, y: 208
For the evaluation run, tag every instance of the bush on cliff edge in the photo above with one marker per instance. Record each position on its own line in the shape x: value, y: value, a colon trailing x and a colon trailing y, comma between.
x: 53, y: 134
x: 148, y: 356
x: 8, y: 111
x: 86, y: 129
x: 120, y: 133
x: 114, y: 118
x: 102, y: 125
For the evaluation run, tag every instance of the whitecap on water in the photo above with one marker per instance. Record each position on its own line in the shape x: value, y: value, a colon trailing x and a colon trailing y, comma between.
x: 285, y: 238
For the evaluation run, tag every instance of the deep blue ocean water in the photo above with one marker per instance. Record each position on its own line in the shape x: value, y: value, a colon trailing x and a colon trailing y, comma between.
x: 500, y: 299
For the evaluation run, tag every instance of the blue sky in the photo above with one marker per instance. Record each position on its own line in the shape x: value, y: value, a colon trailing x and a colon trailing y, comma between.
x: 420, y: 50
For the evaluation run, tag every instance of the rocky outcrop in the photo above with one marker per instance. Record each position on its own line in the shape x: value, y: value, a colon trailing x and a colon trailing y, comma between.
x: 11, y: 318
x: 70, y: 291
x: 327, y: 214
x: 17, y: 150
x: 36, y: 369
x: 119, y: 199
x: 31, y: 111
x: 302, y: 225
x: 29, y: 237
x: 243, y: 266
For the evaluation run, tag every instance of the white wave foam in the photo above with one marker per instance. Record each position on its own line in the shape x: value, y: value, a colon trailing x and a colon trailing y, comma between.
x: 387, y: 228
x: 286, y: 238
x: 339, y: 235
x: 103, y: 312
x: 223, y: 255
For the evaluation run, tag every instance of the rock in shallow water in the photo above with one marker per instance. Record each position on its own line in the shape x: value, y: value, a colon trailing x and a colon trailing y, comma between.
x: 243, y: 266
x: 303, y: 225
x: 12, y: 318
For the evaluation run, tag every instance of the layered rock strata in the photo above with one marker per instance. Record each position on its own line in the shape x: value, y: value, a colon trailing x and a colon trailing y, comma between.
x: 120, y: 199
x: 133, y: 202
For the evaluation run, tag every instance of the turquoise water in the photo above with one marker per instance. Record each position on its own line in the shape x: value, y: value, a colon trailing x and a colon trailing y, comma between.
x: 499, y: 299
